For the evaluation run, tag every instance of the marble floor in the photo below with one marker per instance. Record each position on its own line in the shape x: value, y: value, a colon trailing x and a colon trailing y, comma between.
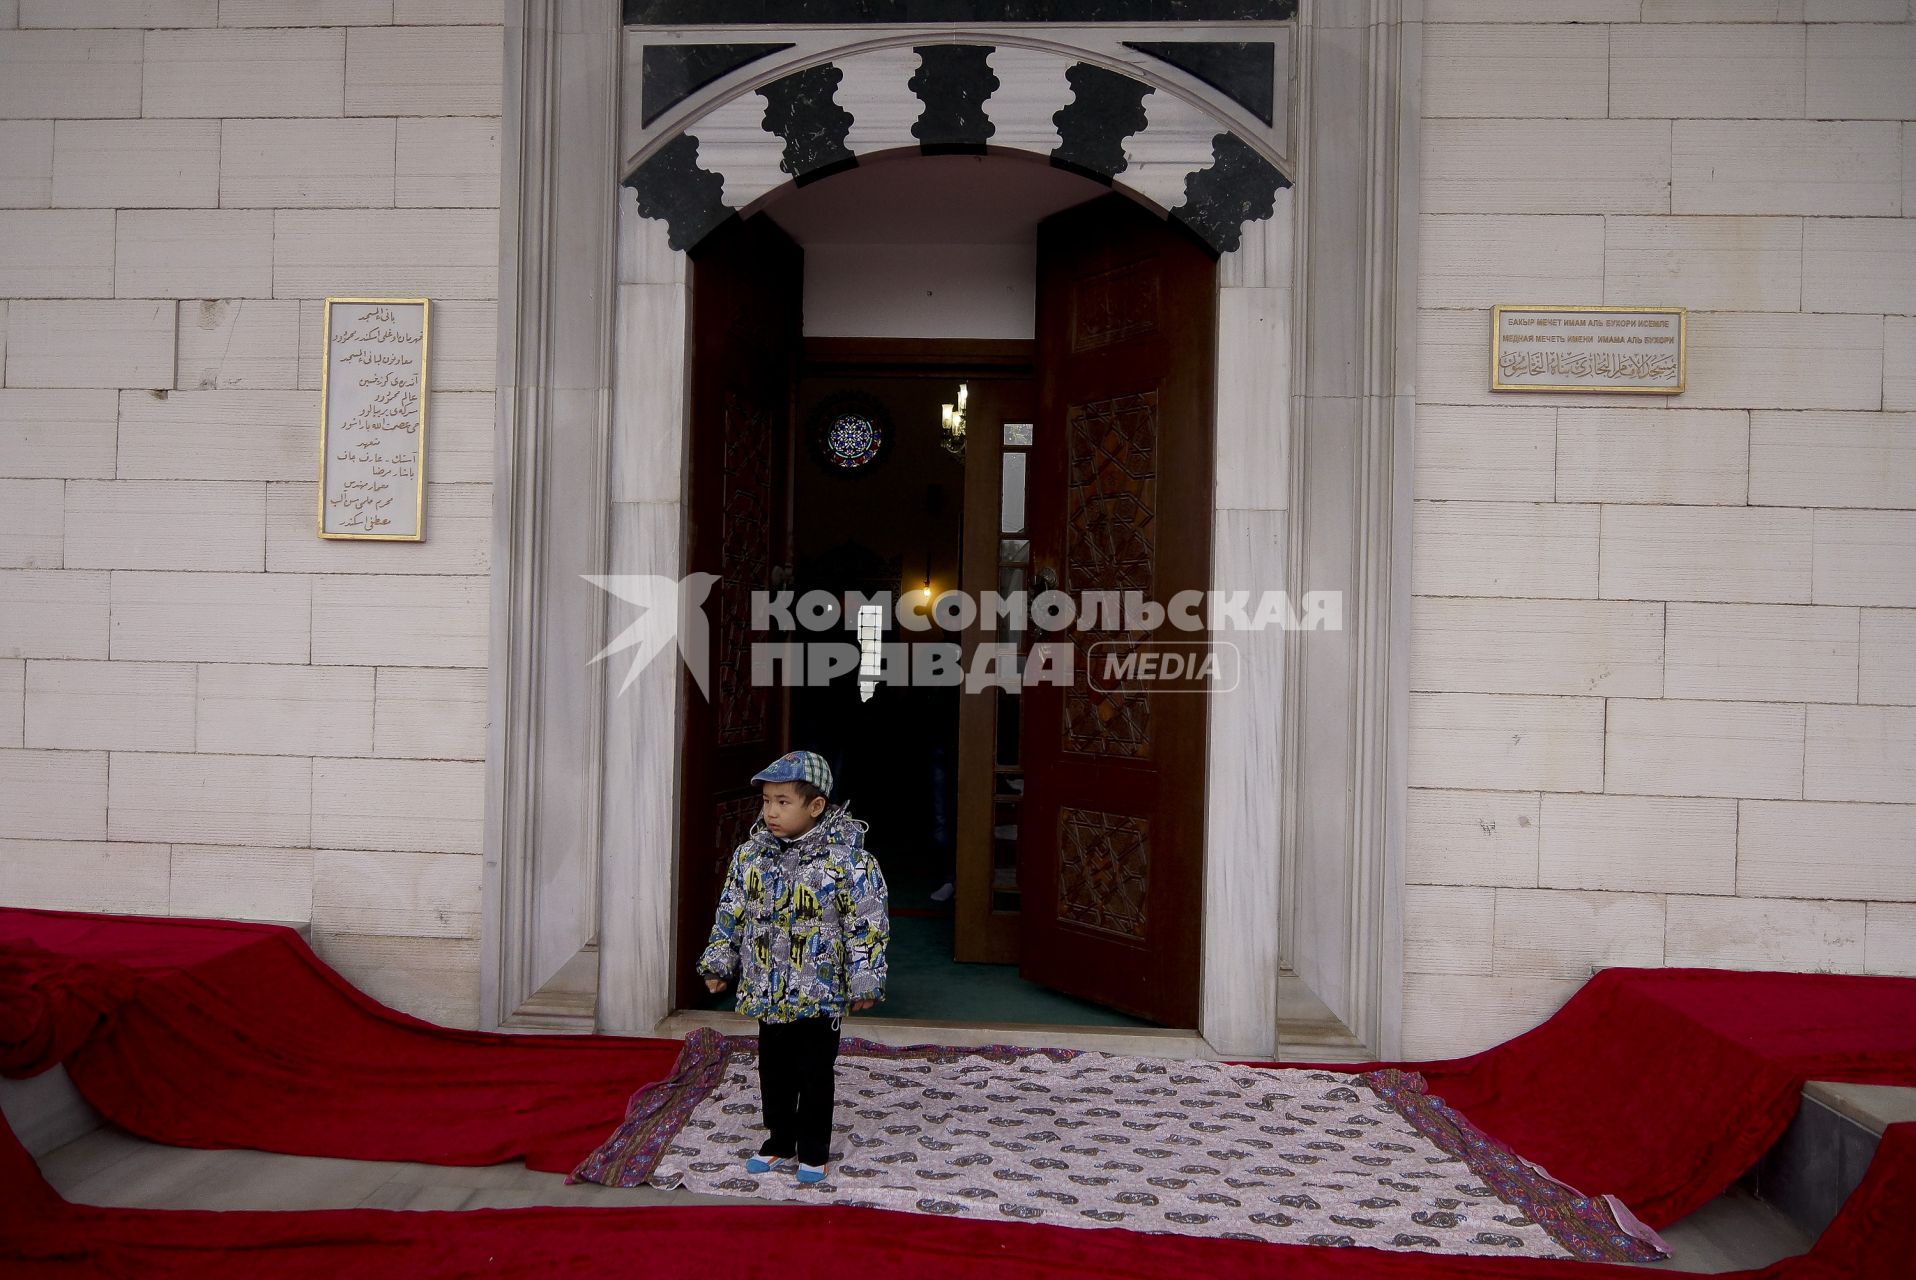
x: 109, y: 1167
x: 1307, y: 1031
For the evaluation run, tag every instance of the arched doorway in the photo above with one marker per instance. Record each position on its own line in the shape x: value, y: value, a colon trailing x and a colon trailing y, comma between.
x: 1118, y: 808
x: 579, y: 867
x: 1084, y: 327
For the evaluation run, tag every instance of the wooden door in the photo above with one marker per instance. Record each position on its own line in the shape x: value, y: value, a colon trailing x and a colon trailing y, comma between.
x: 1111, y: 844
x: 746, y: 282
x: 997, y: 557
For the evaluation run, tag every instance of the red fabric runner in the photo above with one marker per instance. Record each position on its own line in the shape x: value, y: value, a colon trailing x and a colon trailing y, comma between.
x: 1658, y: 1086
x: 539, y: 1244
x: 239, y: 1036
x: 1663, y: 1085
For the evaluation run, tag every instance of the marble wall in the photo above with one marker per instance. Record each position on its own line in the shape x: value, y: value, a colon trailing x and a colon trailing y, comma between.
x: 1663, y: 652
x: 204, y: 709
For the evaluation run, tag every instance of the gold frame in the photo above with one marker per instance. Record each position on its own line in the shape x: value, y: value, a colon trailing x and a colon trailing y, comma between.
x: 325, y: 371
x: 1683, y: 350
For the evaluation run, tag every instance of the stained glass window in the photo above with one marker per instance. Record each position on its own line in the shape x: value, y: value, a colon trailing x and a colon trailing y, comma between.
x: 853, y: 440
x: 850, y: 432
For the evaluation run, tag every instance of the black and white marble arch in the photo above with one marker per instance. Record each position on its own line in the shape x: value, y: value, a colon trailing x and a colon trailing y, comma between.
x: 964, y: 96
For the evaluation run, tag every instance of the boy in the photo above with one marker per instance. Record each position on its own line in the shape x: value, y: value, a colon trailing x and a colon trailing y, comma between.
x: 802, y: 925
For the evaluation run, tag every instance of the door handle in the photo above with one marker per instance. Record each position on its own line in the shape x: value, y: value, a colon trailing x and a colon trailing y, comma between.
x: 1046, y: 579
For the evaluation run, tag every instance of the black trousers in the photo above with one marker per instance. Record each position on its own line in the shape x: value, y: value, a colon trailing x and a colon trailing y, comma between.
x: 795, y: 1081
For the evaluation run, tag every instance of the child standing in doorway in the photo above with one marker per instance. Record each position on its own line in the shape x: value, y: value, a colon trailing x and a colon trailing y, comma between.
x: 802, y: 925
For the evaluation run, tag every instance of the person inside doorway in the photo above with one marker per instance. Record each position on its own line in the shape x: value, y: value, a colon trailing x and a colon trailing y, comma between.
x: 940, y: 729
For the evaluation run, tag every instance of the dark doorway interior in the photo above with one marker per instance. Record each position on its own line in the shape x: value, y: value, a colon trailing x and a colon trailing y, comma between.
x: 896, y: 528
x: 890, y: 528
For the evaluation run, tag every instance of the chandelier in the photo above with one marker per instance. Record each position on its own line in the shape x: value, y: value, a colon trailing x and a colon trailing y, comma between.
x: 952, y: 425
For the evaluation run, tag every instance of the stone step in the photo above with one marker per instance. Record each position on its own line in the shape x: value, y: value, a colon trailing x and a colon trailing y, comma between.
x: 46, y: 1111
x: 1824, y: 1153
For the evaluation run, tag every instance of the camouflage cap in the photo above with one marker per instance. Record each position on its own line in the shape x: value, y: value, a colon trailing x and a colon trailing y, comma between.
x: 798, y: 766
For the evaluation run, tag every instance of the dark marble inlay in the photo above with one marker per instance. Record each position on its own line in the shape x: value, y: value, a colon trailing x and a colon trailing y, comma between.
x: 671, y: 186
x: 1105, y: 109
x: 953, y: 81
x: 1240, y: 186
x: 653, y: 13
x: 1244, y: 72
x: 800, y: 108
x: 670, y: 73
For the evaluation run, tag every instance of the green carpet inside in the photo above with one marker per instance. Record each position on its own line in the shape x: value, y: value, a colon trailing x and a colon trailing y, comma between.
x: 927, y: 983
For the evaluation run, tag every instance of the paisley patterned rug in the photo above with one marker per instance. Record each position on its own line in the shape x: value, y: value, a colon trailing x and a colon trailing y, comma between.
x: 1094, y: 1139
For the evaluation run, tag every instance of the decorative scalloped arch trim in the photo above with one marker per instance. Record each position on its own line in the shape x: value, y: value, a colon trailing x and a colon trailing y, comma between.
x: 959, y: 94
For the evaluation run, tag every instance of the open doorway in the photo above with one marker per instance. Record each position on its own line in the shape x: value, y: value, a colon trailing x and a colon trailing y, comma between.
x: 899, y: 532
x: 1043, y: 844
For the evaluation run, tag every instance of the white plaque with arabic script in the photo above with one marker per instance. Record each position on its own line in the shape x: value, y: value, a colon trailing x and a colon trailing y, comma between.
x: 1589, y: 349
x: 372, y: 431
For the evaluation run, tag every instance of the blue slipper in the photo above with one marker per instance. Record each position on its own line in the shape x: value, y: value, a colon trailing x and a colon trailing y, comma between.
x: 810, y: 1173
x: 765, y: 1164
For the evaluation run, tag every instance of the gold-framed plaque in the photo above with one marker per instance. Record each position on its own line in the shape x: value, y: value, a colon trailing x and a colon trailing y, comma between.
x: 1594, y: 350
x: 372, y: 419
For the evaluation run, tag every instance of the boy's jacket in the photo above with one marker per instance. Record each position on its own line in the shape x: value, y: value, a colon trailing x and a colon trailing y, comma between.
x: 803, y: 928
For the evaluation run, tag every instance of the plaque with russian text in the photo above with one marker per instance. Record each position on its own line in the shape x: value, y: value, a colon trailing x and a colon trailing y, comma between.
x: 372, y: 432
x: 1595, y: 350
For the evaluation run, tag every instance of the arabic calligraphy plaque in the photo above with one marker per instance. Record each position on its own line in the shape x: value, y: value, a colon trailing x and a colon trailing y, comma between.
x: 1588, y: 349
x: 372, y: 442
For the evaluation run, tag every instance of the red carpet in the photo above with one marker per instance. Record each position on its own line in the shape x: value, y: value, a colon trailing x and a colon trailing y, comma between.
x: 1659, y: 1086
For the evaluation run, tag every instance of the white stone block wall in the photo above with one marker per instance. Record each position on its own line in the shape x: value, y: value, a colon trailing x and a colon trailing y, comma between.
x: 1663, y: 657
x: 205, y: 709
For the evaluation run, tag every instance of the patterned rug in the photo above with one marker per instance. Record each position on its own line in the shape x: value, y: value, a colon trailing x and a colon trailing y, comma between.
x: 1094, y: 1139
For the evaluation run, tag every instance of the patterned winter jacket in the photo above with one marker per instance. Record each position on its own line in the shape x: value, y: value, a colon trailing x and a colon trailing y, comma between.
x: 802, y: 925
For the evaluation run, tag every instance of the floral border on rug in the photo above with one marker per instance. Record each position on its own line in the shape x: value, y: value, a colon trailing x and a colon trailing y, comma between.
x: 1594, y: 1228
x: 655, y: 1115
x: 658, y: 1111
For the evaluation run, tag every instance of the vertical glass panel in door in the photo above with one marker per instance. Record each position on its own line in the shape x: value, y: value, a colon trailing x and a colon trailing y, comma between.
x: 1011, y: 518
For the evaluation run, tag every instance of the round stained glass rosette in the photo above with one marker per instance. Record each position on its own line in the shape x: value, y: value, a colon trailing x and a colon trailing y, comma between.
x: 852, y: 440
x: 850, y: 433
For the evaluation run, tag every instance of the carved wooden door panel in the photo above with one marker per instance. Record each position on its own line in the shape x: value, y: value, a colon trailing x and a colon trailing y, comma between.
x: 746, y: 282
x: 1111, y: 841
